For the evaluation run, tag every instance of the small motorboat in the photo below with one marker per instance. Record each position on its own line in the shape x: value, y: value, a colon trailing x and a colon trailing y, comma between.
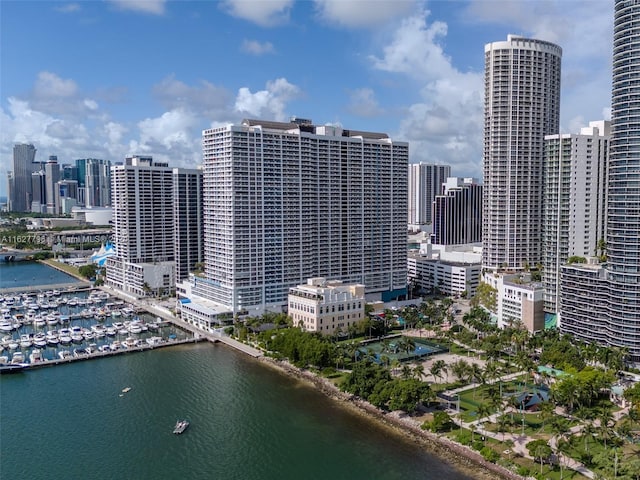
x: 181, y: 426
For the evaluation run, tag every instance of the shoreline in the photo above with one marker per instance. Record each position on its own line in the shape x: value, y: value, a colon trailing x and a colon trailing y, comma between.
x: 462, y: 458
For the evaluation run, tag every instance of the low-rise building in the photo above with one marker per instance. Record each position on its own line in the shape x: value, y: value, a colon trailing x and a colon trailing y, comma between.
x: 519, y: 300
x: 451, y: 270
x: 326, y: 306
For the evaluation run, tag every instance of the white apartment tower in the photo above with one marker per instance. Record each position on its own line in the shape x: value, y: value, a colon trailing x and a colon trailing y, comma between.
x: 574, y: 219
x: 143, y: 229
x: 288, y: 201
x: 425, y: 182
x: 522, y: 105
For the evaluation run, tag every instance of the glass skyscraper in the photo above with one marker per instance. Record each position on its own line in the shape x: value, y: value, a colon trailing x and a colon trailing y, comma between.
x: 602, y: 303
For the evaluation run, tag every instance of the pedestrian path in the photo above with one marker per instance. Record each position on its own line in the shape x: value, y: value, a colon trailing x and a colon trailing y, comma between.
x: 520, y: 441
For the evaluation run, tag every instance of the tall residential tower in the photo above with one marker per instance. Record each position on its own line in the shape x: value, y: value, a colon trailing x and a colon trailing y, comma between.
x: 288, y: 201
x: 522, y: 105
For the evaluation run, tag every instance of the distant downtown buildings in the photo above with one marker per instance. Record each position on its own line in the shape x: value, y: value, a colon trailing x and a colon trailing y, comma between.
x: 35, y: 186
x: 425, y: 182
x: 288, y: 201
x: 522, y: 105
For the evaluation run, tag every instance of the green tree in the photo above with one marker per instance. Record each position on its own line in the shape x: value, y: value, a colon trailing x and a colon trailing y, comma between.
x: 539, y: 450
x: 441, y: 422
x: 486, y: 296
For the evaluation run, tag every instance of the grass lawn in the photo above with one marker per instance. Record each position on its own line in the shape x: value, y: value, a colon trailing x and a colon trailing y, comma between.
x: 71, y: 270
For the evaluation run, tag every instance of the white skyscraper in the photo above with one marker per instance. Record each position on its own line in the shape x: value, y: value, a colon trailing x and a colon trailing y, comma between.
x: 522, y: 105
x: 284, y: 202
x: 143, y: 229
x: 575, y: 175
x: 425, y: 182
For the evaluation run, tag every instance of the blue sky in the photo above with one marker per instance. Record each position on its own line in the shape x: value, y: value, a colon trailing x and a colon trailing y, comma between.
x: 106, y: 79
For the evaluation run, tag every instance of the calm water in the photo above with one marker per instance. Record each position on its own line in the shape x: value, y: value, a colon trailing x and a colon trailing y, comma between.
x: 247, y: 422
x: 22, y: 274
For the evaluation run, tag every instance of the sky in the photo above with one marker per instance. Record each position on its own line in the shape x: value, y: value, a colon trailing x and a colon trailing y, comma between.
x: 111, y: 78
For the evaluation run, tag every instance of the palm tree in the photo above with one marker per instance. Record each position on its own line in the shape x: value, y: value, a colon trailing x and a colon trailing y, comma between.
x: 437, y: 368
x: 546, y: 412
x: 406, y: 372
x: 418, y: 371
x: 460, y: 369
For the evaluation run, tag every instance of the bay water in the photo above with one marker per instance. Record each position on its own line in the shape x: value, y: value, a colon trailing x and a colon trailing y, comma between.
x: 247, y: 421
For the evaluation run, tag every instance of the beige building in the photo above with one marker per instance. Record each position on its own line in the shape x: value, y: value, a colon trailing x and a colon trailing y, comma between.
x: 519, y: 300
x: 326, y: 306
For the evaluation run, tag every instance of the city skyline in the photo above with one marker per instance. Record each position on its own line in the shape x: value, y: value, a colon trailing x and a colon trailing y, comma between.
x: 412, y: 69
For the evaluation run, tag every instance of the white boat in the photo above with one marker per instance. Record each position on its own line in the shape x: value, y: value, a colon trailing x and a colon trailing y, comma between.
x: 18, y: 357
x: 39, y: 322
x: 64, y: 335
x: 25, y: 340
x: 40, y: 340
x: 64, y: 354
x: 52, y: 338
x: 6, y: 326
x: 135, y: 327
x: 35, y: 356
x: 111, y: 331
x: 181, y: 426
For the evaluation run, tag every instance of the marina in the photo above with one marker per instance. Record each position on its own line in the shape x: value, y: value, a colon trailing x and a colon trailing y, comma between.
x: 50, y: 327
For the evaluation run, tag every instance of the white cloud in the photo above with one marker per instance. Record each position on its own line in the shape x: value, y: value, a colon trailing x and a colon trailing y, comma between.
x: 584, y: 31
x: 269, y: 103
x: 204, y: 99
x: 155, y: 7
x: 170, y: 129
x: 68, y: 8
x: 254, y: 47
x: 114, y: 132
x: 264, y: 13
x: 362, y: 13
x: 445, y: 125
x: 90, y: 104
x: 49, y: 85
x: 363, y: 103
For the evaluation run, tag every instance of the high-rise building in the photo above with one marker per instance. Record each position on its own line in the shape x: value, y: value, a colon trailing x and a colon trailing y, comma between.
x: 66, y: 195
x: 69, y: 172
x: 187, y: 219
x: 39, y: 192
x: 97, y: 183
x: 522, y: 105
x: 52, y: 171
x: 425, y: 182
x: 602, y: 303
x: 457, y: 213
x: 573, y: 224
x: 284, y: 202
x: 143, y: 230
x: 24, y: 164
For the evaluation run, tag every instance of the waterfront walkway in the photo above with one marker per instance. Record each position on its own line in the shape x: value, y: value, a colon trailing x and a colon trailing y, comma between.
x: 68, y: 287
x: 164, y: 313
x: 97, y: 354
